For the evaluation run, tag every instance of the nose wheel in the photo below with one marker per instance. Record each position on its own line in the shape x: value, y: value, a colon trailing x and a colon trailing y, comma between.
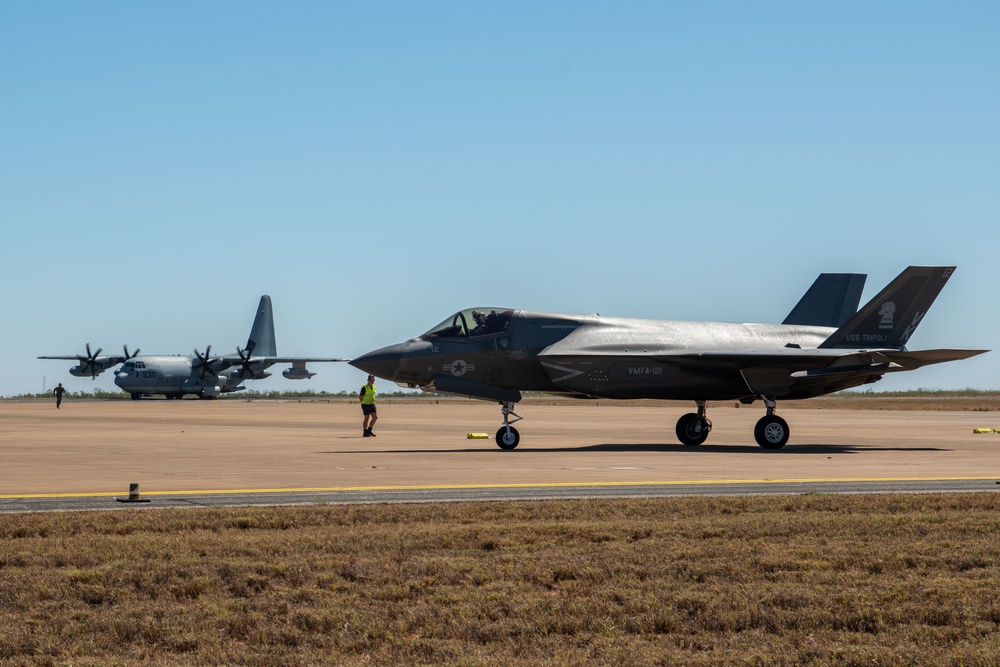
x: 507, y: 436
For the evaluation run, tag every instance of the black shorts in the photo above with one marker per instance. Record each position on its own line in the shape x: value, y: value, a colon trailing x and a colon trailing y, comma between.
x: 368, y: 409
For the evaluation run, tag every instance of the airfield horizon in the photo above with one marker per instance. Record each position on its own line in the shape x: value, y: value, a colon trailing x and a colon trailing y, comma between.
x: 976, y: 400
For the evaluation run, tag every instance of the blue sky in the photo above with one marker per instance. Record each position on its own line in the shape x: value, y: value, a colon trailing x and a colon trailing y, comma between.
x: 375, y: 167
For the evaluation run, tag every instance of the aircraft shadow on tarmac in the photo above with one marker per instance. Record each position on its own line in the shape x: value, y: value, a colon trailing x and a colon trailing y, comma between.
x: 664, y: 448
x: 831, y: 448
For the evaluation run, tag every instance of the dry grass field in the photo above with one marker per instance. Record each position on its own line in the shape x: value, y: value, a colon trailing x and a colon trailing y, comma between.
x: 812, y: 579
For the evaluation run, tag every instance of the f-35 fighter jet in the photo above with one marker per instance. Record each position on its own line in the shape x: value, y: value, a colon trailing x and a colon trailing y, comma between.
x: 496, y: 353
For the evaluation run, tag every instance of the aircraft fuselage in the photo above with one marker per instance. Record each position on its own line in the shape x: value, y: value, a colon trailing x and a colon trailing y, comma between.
x: 586, y: 356
x: 172, y: 376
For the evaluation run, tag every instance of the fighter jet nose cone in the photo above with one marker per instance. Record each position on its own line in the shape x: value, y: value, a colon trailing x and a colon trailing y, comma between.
x: 381, y: 363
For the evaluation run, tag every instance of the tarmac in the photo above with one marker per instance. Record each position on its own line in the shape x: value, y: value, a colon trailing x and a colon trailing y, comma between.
x: 87, y: 453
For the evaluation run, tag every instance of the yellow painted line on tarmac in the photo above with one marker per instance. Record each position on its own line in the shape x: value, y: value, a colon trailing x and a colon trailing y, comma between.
x: 528, y: 485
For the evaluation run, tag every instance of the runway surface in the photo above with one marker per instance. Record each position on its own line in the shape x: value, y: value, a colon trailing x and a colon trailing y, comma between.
x: 216, y: 453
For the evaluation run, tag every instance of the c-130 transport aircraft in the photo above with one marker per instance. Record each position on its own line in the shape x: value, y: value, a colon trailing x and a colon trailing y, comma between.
x: 496, y: 353
x: 200, y: 374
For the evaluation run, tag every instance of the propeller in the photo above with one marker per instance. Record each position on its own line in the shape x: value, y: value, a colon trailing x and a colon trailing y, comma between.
x: 129, y: 356
x: 246, y: 368
x: 90, y: 362
x: 204, y: 362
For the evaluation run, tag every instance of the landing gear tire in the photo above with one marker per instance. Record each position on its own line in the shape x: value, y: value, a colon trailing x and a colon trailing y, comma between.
x: 692, y: 429
x: 136, y: 396
x: 771, y: 432
x: 508, y: 437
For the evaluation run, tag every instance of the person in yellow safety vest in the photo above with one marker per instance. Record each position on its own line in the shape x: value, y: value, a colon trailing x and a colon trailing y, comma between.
x: 367, y: 398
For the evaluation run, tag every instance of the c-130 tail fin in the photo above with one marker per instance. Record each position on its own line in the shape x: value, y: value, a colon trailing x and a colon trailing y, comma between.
x: 261, y: 342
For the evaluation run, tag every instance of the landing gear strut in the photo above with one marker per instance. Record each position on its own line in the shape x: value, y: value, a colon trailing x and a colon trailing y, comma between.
x: 693, y: 428
x: 507, y: 436
x: 771, y: 431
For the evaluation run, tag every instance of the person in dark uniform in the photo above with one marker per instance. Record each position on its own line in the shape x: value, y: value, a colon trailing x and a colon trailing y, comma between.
x: 367, y: 398
x: 59, y: 391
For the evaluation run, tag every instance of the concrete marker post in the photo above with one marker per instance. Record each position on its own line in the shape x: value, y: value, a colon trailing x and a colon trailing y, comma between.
x: 133, y: 495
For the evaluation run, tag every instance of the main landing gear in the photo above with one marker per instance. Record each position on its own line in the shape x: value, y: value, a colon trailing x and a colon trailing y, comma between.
x: 507, y: 436
x: 693, y: 428
x: 771, y: 431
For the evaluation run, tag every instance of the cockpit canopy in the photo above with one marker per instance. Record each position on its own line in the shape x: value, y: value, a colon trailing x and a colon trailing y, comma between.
x: 473, y: 323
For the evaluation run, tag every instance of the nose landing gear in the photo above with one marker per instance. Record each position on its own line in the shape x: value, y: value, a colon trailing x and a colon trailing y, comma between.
x: 507, y: 436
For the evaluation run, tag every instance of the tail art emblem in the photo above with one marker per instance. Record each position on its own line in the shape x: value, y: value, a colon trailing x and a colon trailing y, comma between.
x: 887, y: 311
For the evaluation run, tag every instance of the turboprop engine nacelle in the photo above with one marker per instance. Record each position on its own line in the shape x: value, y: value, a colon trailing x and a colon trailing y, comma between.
x: 85, y: 371
x: 297, y: 373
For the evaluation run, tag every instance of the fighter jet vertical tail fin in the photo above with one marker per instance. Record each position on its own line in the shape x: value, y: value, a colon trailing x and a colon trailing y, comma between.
x: 261, y: 342
x: 889, y: 319
x: 830, y: 302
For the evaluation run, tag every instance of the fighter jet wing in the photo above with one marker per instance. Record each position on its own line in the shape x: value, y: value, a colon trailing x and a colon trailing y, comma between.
x: 908, y: 360
x: 811, y: 357
x: 770, y: 371
x: 767, y: 374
